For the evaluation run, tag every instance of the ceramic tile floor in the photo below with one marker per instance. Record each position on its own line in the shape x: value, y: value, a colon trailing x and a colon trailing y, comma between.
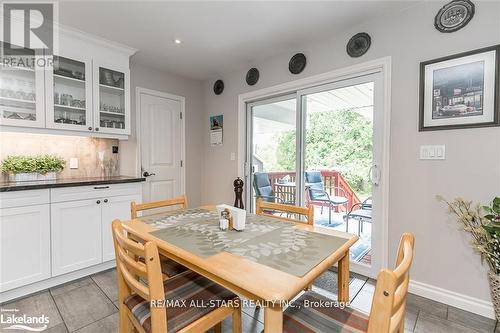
x: 90, y: 305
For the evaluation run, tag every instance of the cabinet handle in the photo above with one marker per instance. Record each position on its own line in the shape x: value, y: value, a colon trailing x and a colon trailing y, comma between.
x: 105, y: 200
x: 100, y: 187
x: 97, y: 129
x: 98, y: 201
x: 90, y: 128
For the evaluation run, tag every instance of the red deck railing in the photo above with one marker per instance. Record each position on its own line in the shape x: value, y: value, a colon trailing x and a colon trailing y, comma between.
x: 332, y: 180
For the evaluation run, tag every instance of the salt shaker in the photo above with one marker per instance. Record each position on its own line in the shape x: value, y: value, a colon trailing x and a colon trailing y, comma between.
x: 224, y: 221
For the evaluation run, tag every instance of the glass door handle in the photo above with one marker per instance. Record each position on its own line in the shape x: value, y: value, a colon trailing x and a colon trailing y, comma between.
x: 147, y: 174
x: 374, y: 174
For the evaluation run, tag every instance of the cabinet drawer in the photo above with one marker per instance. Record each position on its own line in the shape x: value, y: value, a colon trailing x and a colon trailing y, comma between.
x: 24, y: 198
x: 93, y: 192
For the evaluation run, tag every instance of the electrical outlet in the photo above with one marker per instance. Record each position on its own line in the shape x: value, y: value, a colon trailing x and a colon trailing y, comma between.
x: 73, y: 163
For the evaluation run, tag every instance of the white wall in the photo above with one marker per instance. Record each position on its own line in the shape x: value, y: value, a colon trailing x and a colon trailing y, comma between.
x: 471, y: 169
x: 142, y: 76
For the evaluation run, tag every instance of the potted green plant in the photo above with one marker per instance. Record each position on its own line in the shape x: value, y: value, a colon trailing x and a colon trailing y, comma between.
x: 483, y: 224
x: 30, y: 168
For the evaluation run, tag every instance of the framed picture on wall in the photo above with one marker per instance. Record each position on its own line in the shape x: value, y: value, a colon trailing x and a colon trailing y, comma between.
x: 460, y: 91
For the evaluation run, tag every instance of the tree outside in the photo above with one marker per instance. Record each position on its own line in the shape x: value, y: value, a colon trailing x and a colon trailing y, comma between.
x: 340, y: 140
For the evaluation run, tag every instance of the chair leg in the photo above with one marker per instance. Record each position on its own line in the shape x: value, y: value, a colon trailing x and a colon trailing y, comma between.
x: 237, y: 320
x: 329, y: 214
x: 347, y: 224
x: 359, y: 227
x: 126, y: 325
x: 218, y: 328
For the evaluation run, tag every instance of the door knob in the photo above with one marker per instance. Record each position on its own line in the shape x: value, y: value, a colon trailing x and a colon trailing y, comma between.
x: 147, y: 174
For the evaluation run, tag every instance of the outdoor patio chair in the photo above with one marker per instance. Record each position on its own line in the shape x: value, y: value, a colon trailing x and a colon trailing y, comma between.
x: 362, y: 211
x: 263, y: 188
x: 316, y: 191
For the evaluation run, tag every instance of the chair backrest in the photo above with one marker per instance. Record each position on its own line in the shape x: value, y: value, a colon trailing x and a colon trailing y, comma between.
x: 179, y: 201
x: 389, y: 301
x: 262, y: 185
x: 263, y: 207
x: 131, y: 271
x: 315, y: 184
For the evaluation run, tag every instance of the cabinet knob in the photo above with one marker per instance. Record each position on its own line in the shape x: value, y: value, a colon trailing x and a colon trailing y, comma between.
x: 97, y: 129
x: 105, y: 200
x: 98, y: 201
x: 90, y: 128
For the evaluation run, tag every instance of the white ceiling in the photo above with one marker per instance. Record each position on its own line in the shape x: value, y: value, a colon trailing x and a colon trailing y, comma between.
x: 217, y: 37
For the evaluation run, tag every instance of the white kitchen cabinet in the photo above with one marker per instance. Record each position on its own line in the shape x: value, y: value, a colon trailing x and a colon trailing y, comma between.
x: 24, y: 245
x: 76, y: 235
x: 87, y: 92
x: 22, y: 92
x: 69, y: 94
x: 114, y: 208
x: 111, y: 98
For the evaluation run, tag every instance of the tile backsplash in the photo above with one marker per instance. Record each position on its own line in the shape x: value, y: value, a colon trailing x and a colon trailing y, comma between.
x: 95, y: 156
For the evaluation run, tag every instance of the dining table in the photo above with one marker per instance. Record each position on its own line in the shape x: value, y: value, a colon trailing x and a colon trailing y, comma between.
x: 269, y: 263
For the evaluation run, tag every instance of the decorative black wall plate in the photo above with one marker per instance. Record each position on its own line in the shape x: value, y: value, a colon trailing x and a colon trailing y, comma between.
x: 454, y: 15
x: 218, y: 87
x: 358, y: 44
x: 252, y: 76
x: 297, y: 63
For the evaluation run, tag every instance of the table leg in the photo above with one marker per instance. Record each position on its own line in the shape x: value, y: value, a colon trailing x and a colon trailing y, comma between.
x: 343, y: 277
x: 273, y: 319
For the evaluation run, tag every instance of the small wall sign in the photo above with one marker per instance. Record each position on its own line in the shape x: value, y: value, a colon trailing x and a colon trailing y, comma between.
x: 216, y: 125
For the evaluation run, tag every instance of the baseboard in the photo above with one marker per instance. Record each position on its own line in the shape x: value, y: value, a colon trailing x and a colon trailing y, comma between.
x: 461, y: 301
x: 35, y: 287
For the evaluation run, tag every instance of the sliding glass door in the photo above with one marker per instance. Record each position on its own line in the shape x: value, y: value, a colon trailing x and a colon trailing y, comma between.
x: 273, y: 160
x: 322, y: 146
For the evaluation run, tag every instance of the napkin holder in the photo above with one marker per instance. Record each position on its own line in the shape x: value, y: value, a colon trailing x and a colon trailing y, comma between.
x: 237, y: 216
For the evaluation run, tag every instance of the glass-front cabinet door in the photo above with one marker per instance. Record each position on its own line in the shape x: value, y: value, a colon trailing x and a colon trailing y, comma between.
x: 111, y: 99
x: 21, y: 88
x: 69, y: 102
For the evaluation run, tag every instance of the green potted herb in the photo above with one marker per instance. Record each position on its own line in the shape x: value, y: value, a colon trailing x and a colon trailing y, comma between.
x: 483, y: 224
x: 29, y: 168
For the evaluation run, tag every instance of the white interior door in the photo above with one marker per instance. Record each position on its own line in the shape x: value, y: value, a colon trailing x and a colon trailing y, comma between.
x: 161, y: 146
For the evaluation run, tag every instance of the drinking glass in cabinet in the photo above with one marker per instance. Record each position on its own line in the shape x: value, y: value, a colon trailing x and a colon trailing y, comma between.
x: 112, y: 98
x: 18, y: 90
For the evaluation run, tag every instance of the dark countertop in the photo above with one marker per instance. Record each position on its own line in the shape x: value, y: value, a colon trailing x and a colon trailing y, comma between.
x: 66, y: 182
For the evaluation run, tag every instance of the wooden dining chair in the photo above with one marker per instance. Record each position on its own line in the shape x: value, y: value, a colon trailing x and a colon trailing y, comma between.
x: 268, y: 208
x: 149, y: 304
x: 388, y: 306
x: 180, y: 201
x: 169, y: 267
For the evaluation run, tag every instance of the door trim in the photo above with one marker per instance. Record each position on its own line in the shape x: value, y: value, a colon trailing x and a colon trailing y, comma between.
x: 382, y: 65
x: 182, y: 100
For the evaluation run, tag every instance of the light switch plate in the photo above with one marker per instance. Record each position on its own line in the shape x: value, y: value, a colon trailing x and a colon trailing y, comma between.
x: 435, y: 152
x: 73, y: 163
x: 232, y: 156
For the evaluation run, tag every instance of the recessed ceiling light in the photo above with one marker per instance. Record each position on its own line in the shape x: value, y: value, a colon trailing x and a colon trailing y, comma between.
x: 177, y: 41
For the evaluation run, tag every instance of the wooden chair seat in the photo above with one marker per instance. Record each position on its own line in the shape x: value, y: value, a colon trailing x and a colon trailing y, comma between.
x: 189, y: 287
x: 309, y: 316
